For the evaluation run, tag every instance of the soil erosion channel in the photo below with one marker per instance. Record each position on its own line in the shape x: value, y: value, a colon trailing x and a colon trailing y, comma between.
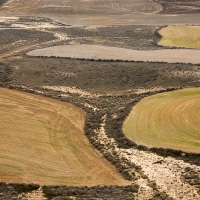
x: 43, y: 141
x: 167, y: 120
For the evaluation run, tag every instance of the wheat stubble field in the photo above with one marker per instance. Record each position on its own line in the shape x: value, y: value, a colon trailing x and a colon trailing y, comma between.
x: 180, y: 36
x: 42, y: 141
x: 167, y: 120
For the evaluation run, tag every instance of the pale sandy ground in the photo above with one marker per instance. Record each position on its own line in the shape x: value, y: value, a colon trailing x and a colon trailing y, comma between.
x: 35, y: 195
x: 167, y: 175
x: 97, y: 52
x: 125, y: 19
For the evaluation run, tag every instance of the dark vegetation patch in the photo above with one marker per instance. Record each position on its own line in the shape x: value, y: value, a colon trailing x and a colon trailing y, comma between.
x: 192, y: 177
x: 133, y: 37
x: 12, y: 190
x: 103, y: 77
x: 2, y: 2
x: 12, y: 35
x: 179, y: 6
x: 97, y: 192
x: 12, y: 39
x: 5, y: 73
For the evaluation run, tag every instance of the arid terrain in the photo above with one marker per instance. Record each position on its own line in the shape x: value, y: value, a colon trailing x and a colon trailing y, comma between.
x: 89, y: 65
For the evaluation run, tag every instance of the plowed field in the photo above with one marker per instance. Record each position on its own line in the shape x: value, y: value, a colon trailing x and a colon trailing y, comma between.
x: 42, y: 141
x: 59, y: 6
x: 168, y: 120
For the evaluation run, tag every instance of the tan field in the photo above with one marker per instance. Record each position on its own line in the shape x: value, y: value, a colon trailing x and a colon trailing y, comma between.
x: 168, y: 120
x: 97, y: 52
x: 180, y: 36
x: 42, y: 141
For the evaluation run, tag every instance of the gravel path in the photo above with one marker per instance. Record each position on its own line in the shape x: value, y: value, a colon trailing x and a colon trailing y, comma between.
x: 166, y: 174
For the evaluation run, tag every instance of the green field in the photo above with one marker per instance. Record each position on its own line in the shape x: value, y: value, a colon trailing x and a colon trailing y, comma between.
x: 180, y: 36
x: 42, y: 141
x: 168, y: 120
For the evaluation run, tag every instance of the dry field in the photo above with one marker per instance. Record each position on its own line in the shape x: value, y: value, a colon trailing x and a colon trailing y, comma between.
x: 168, y: 120
x: 98, y: 52
x: 180, y: 36
x: 82, y: 6
x: 43, y: 141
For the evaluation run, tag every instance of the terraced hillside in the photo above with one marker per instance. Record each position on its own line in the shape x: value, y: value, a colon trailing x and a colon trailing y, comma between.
x: 42, y: 141
x: 167, y: 120
x: 180, y: 36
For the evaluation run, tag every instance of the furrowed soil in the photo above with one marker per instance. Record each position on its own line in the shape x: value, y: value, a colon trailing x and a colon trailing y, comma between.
x: 43, y: 141
x: 167, y: 120
x: 180, y: 36
x: 92, y: 6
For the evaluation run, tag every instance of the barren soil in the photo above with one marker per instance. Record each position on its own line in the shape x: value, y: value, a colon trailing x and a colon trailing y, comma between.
x: 96, y: 52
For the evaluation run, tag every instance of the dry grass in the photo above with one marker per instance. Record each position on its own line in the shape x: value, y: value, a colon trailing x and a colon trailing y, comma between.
x: 43, y: 141
x: 168, y: 120
x: 180, y: 36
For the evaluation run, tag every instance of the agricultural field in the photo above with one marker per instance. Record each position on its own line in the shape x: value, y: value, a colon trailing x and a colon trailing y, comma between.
x: 87, y: 65
x: 43, y: 142
x: 45, y: 6
x: 180, y: 36
x: 167, y: 120
x: 97, y: 52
